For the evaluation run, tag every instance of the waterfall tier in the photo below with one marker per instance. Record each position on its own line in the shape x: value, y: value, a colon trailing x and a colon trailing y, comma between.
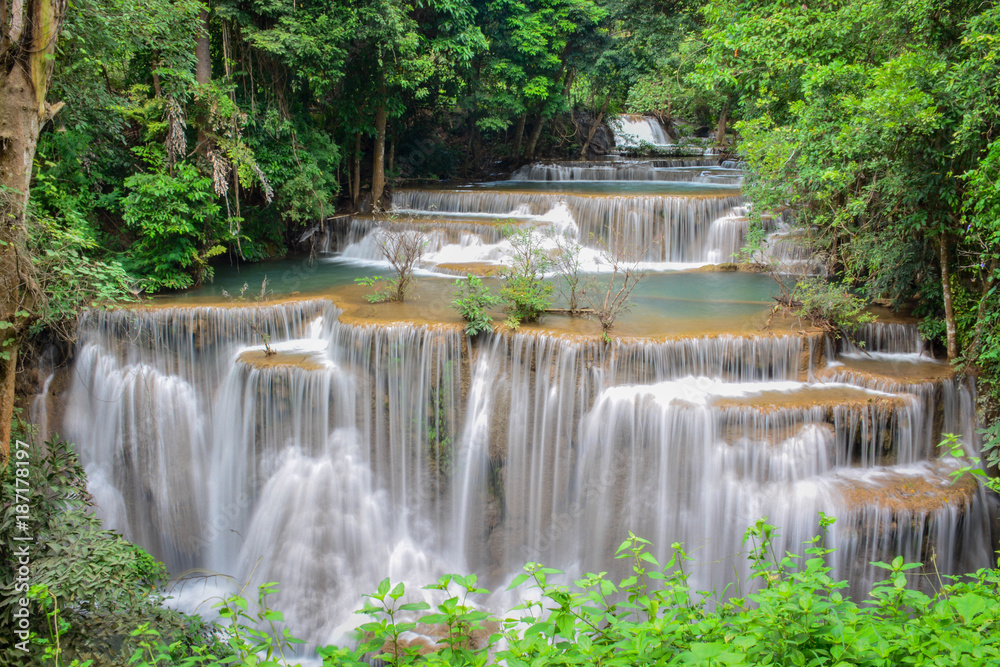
x: 670, y: 228
x: 358, y: 452
x: 628, y: 171
x: 635, y: 129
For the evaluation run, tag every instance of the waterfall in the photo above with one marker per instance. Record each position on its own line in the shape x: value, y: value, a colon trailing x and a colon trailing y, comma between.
x: 892, y: 337
x: 694, y: 172
x: 634, y: 129
x: 672, y: 228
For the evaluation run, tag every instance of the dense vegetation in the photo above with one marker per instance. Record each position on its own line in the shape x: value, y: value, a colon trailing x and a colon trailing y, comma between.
x: 179, y: 134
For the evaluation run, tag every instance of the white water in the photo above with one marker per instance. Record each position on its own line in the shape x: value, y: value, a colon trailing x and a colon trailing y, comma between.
x: 376, y: 460
x: 634, y: 130
x: 674, y: 231
x: 695, y: 171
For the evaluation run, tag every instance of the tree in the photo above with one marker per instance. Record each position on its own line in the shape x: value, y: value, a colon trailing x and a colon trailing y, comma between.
x: 399, y: 52
x: 862, y: 117
x: 29, y: 30
x: 568, y: 264
x: 527, y: 75
x: 524, y: 294
x: 175, y: 221
x: 625, y: 261
x: 402, y: 249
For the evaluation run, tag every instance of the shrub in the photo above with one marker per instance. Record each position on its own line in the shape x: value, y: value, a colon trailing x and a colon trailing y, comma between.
x: 176, y: 223
x: 472, y: 300
x: 569, y: 267
x: 788, y: 612
x: 625, y: 260
x: 524, y: 295
x: 828, y: 305
x: 91, y: 586
x: 402, y: 250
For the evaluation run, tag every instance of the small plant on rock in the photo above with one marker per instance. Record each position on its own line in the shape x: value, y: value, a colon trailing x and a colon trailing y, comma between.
x: 472, y: 299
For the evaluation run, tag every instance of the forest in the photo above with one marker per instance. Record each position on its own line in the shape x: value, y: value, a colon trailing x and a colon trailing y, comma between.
x: 146, y: 145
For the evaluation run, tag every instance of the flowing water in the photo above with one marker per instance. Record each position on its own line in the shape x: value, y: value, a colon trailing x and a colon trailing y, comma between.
x: 634, y: 130
x: 367, y: 447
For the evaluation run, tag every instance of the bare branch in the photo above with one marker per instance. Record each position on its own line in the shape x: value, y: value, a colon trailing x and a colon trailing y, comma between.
x: 402, y: 249
x: 625, y: 260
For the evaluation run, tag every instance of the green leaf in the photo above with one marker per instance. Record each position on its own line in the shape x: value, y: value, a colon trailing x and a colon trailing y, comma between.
x: 969, y: 606
x: 397, y: 591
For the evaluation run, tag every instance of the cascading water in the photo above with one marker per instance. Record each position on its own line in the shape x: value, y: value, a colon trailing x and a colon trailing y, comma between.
x: 670, y: 228
x: 634, y: 130
x: 359, y: 451
x: 696, y: 171
x: 685, y: 215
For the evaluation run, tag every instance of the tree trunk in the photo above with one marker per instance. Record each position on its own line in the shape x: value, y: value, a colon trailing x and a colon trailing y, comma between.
x: 667, y: 121
x: 594, y: 126
x: 391, y: 160
x: 949, y: 308
x: 356, y: 186
x: 568, y: 85
x: 156, y: 78
x: 519, y: 135
x: 536, y: 132
x: 28, y: 35
x: 720, y: 130
x: 203, y: 75
x: 202, y: 52
x: 378, y: 159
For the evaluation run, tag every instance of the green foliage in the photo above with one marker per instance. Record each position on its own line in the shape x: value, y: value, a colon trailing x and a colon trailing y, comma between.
x: 829, y: 305
x: 875, y: 123
x: 533, y: 47
x: 524, y: 294
x: 92, y: 586
x: 253, y: 635
x: 793, y: 613
x: 864, y: 118
x: 174, y: 217
x: 72, y: 276
x: 301, y: 161
x: 974, y: 467
x: 384, y: 288
x: 472, y: 300
x: 74, y: 265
